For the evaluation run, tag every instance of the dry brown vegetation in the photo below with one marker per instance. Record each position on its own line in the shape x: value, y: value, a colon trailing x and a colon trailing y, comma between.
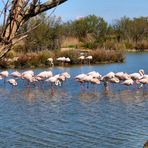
x: 39, y: 59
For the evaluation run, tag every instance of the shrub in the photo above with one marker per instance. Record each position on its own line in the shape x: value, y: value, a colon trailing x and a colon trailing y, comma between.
x: 11, y: 54
x: 106, y: 56
x: 43, y: 56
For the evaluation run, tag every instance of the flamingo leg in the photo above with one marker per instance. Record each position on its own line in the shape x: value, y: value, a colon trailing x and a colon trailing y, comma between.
x: 82, y: 87
x: 52, y: 90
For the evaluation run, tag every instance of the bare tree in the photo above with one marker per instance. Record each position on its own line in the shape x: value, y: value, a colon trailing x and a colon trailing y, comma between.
x: 15, y: 13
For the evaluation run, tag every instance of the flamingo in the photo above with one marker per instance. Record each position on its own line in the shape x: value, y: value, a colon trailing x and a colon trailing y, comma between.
x: 62, y: 59
x: 81, y: 58
x: 29, y: 78
x: 79, y: 78
x: 51, y: 61
x: 137, y: 76
x: 145, y: 76
x: 106, y: 79
x: 67, y: 59
x: 16, y: 74
x: 54, y: 80
x: 1, y: 77
x: 4, y: 74
x: 12, y: 82
x: 95, y: 81
x: 87, y: 79
x: 28, y: 72
x: 122, y: 76
x: 109, y: 76
x: 114, y: 80
x: 45, y: 74
x: 95, y: 74
x: 66, y: 74
x: 63, y: 76
x: 89, y: 58
x: 128, y: 82
x: 143, y: 81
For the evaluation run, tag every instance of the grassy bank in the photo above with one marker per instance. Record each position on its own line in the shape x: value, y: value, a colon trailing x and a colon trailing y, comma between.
x: 39, y: 59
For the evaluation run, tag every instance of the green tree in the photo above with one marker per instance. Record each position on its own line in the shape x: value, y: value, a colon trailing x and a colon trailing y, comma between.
x: 46, y: 36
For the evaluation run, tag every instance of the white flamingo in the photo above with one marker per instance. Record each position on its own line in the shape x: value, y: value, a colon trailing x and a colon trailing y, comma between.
x: 67, y: 59
x: 114, y: 80
x: 61, y: 59
x: 51, y: 61
x: 81, y: 58
x: 80, y: 78
x: 54, y: 80
x: 106, y: 79
x: 137, y: 76
x: 16, y: 74
x: 143, y: 82
x: 66, y: 74
x: 109, y: 76
x: 29, y: 78
x: 95, y: 74
x: 122, y: 76
x: 128, y: 82
x: 4, y: 74
x: 28, y: 72
x: 1, y: 77
x: 12, y: 82
x: 45, y: 74
x: 87, y: 79
x: 95, y: 81
x: 89, y: 58
x: 63, y: 76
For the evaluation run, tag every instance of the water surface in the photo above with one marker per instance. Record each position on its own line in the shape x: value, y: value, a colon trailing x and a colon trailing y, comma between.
x: 72, y: 118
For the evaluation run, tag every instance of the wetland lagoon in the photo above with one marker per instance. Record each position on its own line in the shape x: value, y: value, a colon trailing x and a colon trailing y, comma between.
x: 72, y: 118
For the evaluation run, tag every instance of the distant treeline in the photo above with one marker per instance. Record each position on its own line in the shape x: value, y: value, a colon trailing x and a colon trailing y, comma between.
x: 106, y: 41
x: 90, y: 32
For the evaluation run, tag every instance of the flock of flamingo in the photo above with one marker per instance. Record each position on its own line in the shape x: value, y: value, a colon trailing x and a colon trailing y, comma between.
x: 67, y: 59
x: 92, y: 77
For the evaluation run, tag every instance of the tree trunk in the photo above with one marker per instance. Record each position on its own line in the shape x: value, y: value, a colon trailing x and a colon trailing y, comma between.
x: 19, y: 13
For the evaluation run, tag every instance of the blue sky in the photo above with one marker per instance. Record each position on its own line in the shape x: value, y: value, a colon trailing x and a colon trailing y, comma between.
x: 108, y: 9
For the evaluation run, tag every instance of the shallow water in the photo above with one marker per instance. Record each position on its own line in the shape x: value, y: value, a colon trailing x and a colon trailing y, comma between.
x: 69, y: 117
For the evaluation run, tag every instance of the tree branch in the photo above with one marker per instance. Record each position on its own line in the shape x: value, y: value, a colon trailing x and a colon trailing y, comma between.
x: 45, y: 6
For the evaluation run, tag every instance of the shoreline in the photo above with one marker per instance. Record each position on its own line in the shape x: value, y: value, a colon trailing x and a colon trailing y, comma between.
x: 137, y: 50
x: 26, y: 65
x: 63, y: 66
